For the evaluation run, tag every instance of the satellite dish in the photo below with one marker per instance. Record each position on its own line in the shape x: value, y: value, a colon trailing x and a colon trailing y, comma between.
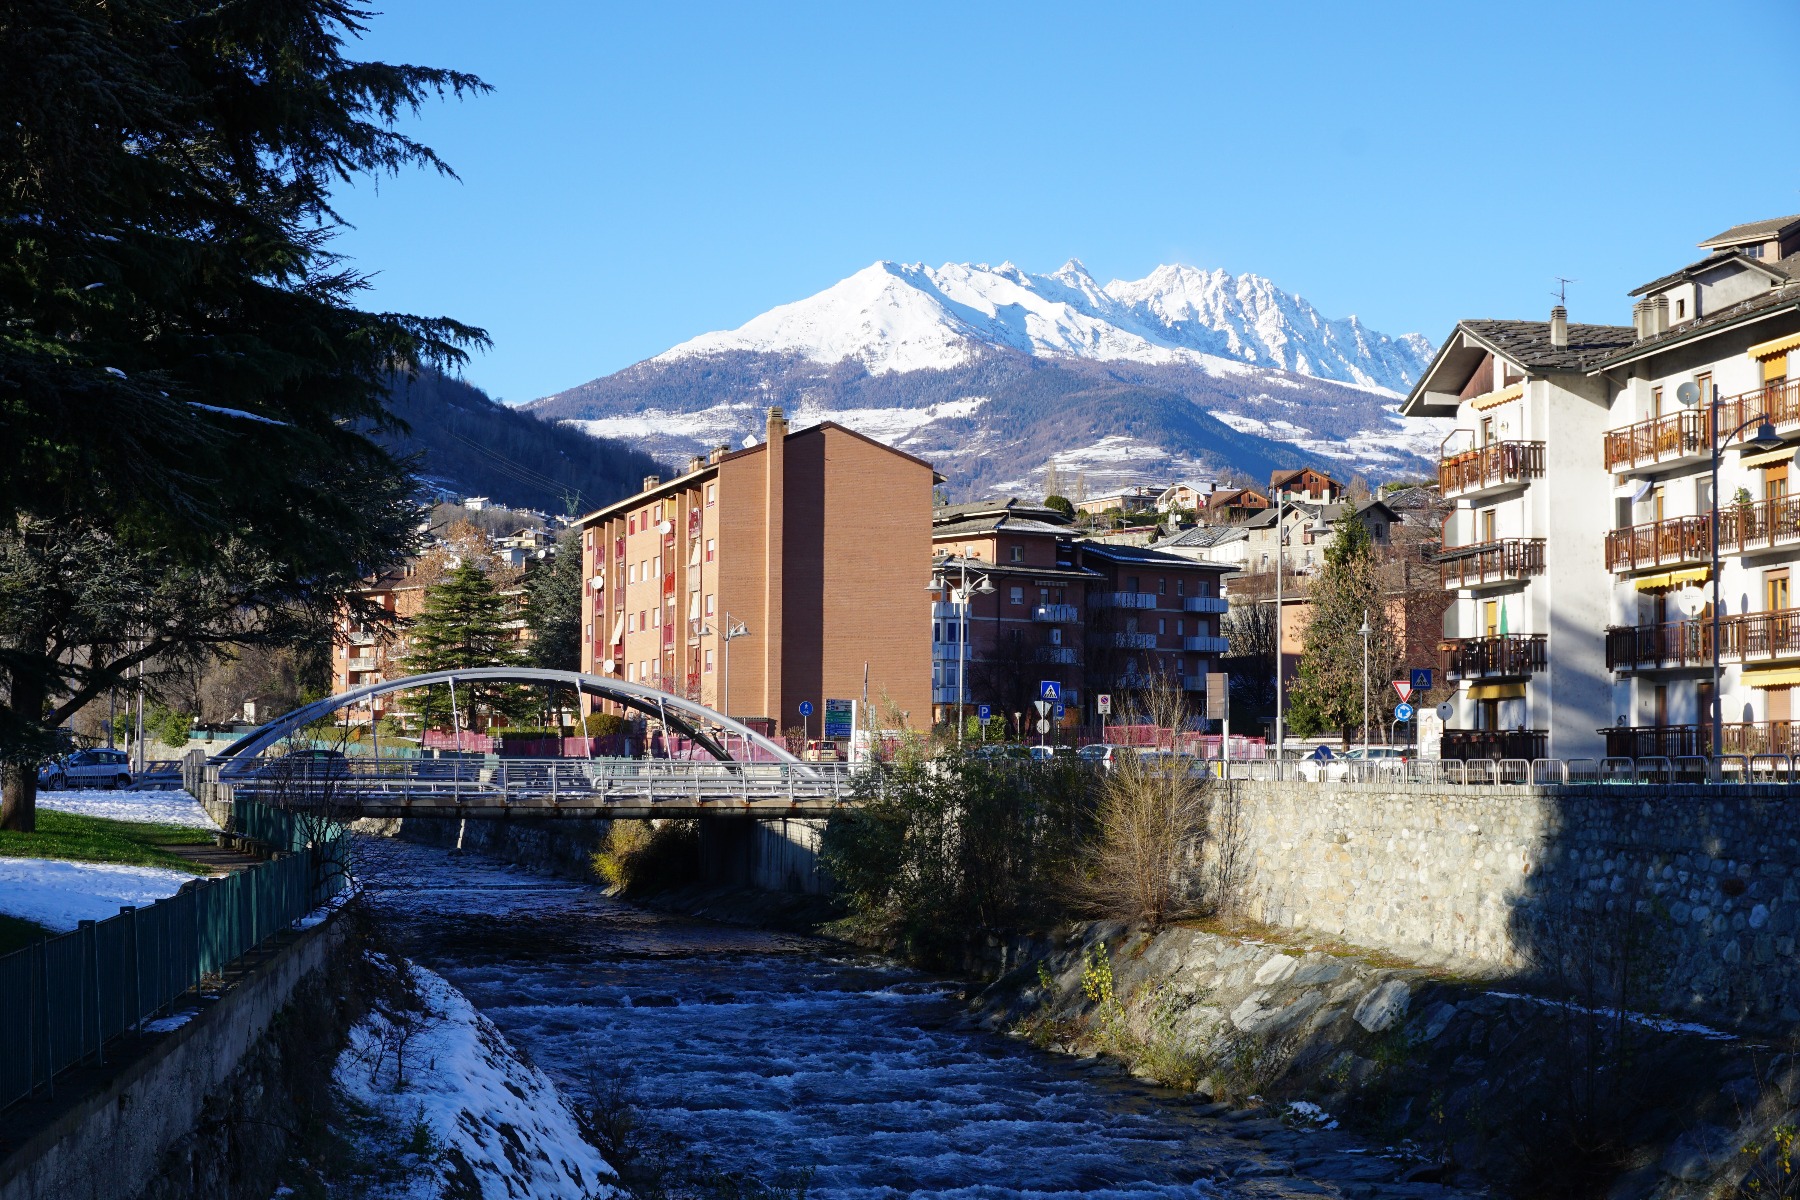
x: 1690, y: 600
x: 1688, y: 393
x: 749, y: 440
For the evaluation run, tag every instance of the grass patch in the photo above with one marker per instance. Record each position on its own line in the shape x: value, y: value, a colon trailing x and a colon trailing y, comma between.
x: 94, y: 839
x: 16, y: 933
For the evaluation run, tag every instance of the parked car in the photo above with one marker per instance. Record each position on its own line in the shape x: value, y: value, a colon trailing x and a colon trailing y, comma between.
x: 1047, y: 753
x: 1104, y: 754
x: 87, y: 768
x: 823, y: 751
x: 1001, y: 750
x: 1386, y: 759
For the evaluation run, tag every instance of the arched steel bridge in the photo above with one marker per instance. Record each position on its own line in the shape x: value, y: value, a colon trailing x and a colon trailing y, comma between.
x: 262, y: 765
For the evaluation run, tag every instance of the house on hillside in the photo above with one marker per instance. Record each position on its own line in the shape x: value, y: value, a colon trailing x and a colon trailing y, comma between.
x: 1305, y: 483
x: 1228, y: 506
x: 1185, y: 497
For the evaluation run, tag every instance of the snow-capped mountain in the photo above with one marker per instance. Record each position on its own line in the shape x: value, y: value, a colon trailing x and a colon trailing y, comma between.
x: 993, y: 374
x: 907, y: 316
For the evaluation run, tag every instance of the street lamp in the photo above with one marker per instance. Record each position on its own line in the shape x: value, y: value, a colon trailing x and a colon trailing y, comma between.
x: 1365, y: 637
x: 733, y: 629
x: 959, y: 599
x: 1765, y: 439
x: 1282, y: 503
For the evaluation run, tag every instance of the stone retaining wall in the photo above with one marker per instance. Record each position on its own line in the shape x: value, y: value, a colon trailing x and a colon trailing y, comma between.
x: 1701, y: 884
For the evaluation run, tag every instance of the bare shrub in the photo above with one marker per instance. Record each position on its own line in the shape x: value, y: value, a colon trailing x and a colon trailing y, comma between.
x: 1151, y: 823
x: 638, y: 857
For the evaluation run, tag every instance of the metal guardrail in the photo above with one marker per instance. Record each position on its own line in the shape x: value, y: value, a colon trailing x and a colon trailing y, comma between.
x: 67, y: 997
x: 1729, y: 770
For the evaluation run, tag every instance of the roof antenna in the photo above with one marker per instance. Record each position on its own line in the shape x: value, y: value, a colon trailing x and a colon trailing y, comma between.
x: 1562, y: 291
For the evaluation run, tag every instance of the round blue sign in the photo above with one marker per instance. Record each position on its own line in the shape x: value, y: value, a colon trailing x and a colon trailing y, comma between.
x: 806, y: 708
x: 1403, y: 712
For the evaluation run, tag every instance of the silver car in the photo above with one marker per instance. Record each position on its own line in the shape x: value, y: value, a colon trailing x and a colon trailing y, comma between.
x: 87, y: 768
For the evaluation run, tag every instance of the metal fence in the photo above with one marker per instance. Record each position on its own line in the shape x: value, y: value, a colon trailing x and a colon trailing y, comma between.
x: 67, y: 997
x: 1730, y: 769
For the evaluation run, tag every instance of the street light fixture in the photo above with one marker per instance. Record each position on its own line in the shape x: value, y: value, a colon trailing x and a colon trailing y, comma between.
x: 1365, y: 637
x: 1765, y: 438
x: 959, y: 599
x: 733, y: 630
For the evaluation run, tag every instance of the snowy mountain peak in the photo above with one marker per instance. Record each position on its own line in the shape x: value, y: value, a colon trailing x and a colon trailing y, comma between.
x: 895, y: 317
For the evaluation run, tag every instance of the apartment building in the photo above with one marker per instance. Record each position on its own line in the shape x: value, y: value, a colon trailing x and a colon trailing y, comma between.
x: 1047, y: 604
x: 810, y: 549
x: 1521, y: 548
x: 1724, y: 326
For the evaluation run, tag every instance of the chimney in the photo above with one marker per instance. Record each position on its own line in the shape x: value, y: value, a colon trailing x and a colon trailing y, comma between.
x: 695, y: 463
x: 1559, y: 327
x: 718, y: 452
x: 651, y: 481
x: 777, y: 423
x: 1643, y: 318
x: 1659, y: 315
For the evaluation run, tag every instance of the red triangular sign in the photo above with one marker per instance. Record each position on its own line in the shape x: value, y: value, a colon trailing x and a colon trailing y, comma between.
x: 1403, y: 687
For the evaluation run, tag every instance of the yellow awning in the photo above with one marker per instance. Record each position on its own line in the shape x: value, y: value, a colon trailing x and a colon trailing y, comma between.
x: 1497, y: 691
x: 1764, y: 677
x: 1780, y: 345
x: 1668, y: 581
x: 1494, y: 399
x: 1766, y: 460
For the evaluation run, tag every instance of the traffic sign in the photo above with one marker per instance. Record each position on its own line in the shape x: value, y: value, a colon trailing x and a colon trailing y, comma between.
x: 1446, y: 710
x: 1060, y: 711
x: 1049, y: 689
x: 984, y: 711
x: 1103, y: 702
x: 1043, y: 725
x: 1404, y: 688
x: 1421, y: 679
x: 1043, y: 707
x: 806, y: 708
x: 1403, y: 712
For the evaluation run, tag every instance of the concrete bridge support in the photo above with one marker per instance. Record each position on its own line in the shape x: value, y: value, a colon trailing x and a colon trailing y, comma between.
x: 777, y: 856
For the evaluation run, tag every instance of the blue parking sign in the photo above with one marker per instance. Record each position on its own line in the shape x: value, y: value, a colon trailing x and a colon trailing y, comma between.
x: 1421, y: 679
x: 1403, y: 712
x: 1060, y: 710
x: 1049, y: 689
x: 984, y: 711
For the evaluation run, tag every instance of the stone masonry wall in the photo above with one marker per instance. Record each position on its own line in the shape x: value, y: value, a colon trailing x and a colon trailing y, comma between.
x: 1701, y: 885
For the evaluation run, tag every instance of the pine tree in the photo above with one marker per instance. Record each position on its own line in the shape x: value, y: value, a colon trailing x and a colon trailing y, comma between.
x: 1329, y: 691
x: 465, y: 623
x: 553, y: 607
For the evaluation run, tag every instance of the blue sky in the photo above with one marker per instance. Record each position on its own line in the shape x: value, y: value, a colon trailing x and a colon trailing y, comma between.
x: 648, y: 172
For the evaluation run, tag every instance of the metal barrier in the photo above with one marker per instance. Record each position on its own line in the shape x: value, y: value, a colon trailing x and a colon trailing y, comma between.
x: 67, y: 997
x: 1729, y: 769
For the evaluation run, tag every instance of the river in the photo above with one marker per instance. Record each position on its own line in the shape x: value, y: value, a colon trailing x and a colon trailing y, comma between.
x: 782, y: 1055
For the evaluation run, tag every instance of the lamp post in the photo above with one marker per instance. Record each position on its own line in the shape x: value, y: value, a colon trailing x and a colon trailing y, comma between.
x: 1365, y: 637
x: 959, y: 599
x: 1765, y: 439
x: 733, y: 629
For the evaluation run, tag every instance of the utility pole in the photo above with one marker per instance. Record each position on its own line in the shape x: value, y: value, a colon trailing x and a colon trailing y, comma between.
x: 1365, y: 726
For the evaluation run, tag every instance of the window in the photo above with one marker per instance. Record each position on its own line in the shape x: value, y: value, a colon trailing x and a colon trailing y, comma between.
x: 710, y: 544
x: 1775, y: 590
x: 1162, y: 586
x: 1706, y: 387
x: 659, y: 510
x: 630, y: 672
x: 1775, y: 481
x: 709, y: 662
x: 1380, y: 533
x: 631, y: 573
x: 1162, y: 625
x: 1181, y: 587
x: 1180, y: 627
x: 709, y: 604
x: 1487, y: 430
x: 590, y: 539
x: 658, y: 561
x: 630, y: 622
x: 712, y: 495
x: 1131, y: 583
x: 1018, y: 554
x: 1656, y: 401
x: 1056, y: 635
x: 1488, y: 525
x: 644, y: 569
x: 937, y: 631
x: 656, y: 618
x: 1018, y: 595
x: 631, y: 525
x: 588, y: 636
x: 1680, y: 309
x: 643, y: 619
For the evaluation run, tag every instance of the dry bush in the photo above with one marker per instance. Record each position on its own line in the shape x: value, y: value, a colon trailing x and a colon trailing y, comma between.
x: 1150, y: 824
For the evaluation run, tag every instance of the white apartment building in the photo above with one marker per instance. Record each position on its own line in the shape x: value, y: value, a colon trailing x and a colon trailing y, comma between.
x: 1521, y: 551
x: 1581, y: 545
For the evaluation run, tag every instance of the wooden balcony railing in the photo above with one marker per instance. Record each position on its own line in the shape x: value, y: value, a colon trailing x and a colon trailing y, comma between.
x: 1778, y: 403
x: 1672, y: 542
x: 1749, y: 637
x: 1759, y: 524
x: 1503, y: 656
x: 1490, y: 562
x: 1672, y: 435
x: 1495, y: 744
x: 1681, y: 741
x: 1489, y: 466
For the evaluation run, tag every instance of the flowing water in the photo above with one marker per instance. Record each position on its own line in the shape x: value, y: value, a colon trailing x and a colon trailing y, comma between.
x: 779, y: 1054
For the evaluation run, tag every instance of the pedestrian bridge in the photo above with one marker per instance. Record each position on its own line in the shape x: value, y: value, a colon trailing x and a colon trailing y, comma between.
x: 748, y: 775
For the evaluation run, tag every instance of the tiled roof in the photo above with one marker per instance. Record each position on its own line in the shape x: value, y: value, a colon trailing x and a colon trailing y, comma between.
x: 985, y: 524
x: 1773, y: 300
x: 1788, y: 268
x: 1120, y: 553
x: 1060, y: 571
x: 1528, y: 343
x: 1208, y: 535
x: 1751, y: 231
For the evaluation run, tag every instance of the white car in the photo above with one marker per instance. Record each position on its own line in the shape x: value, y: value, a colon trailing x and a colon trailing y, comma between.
x: 1386, y: 760
x: 87, y: 768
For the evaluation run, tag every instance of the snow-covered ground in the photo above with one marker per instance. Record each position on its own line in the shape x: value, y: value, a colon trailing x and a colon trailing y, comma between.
x: 452, y: 1105
x: 164, y: 808
x: 59, y: 895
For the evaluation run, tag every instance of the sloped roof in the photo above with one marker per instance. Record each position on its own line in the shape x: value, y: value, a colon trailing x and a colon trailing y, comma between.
x: 1781, y: 269
x: 986, y: 524
x: 1138, y: 554
x: 1528, y: 342
x: 1201, y: 536
x: 1752, y: 231
x: 1758, y: 307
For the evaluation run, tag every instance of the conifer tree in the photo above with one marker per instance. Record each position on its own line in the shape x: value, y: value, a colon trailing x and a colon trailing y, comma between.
x: 1329, y: 691
x: 464, y: 623
x: 553, y: 606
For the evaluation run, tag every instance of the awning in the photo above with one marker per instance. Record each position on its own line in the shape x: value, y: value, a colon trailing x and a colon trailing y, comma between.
x: 618, y: 631
x: 693, y: 606
x: 1766, y: 677
x: 1495, y: 399
x: 1780, y: 345
x: 1767, y: 460
x: 1497, y: 691
x: 1668, y: 581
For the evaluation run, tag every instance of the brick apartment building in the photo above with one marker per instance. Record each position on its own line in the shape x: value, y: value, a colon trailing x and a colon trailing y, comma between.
x: 814, y: 542
x: 1094, y: 617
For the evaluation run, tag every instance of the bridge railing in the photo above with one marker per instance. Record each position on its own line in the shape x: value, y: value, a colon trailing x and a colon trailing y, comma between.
x: 67, y: 998
x: 1720, y: 770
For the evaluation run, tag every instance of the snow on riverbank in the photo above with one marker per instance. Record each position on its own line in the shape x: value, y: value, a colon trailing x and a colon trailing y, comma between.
x: 164, y: 808
x: 456, y: 1110
x: 59, y: 895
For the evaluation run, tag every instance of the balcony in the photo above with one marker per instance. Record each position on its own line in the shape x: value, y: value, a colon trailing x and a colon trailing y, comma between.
x: 1134, y: 641
x: 1193, y: 683
x: 1056, y: 614
x: 944, y: 695
x: 1751, y: 637
x: 1685, y: 741
x: 1491, y: 562
x: 1058, y: 654
x: 1490, y: 467
x: 668, y: 588
x: 1206, y: 645
x: 1678, y: 541
x: 1206, y: 604
x: 1665, y: 439
x: 1778, y: 403
x: 1503, y: 656
x: 1496, y: 744
x: 360, y: 664
x: 1759, y: 525
x: 1122, y: 600
x: 361, y: 637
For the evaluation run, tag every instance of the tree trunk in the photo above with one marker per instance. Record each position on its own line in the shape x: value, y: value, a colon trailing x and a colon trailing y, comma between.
x: 18, y: 797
